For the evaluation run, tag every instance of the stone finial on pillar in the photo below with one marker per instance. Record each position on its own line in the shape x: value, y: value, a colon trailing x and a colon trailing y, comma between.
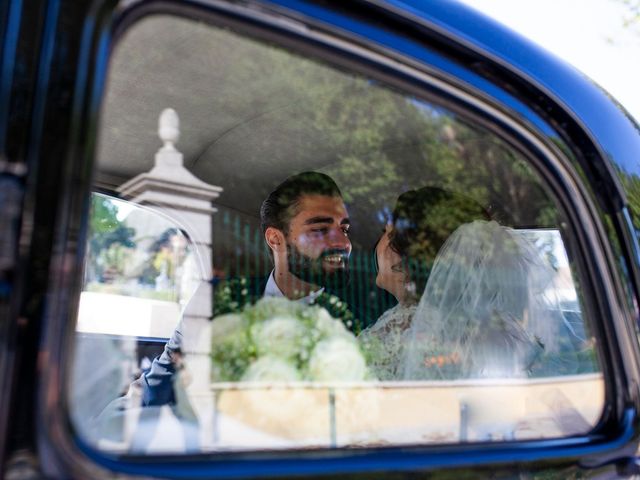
x: 169, y: 184
x: 169, y: 129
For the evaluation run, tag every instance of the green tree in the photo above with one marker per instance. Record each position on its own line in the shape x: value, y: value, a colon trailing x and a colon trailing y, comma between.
x: 108, y: 239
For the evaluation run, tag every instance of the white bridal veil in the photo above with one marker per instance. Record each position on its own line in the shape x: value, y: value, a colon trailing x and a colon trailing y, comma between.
x: 487, y: 311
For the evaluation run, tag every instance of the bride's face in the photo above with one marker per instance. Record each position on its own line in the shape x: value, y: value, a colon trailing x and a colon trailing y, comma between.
x: 391, y: 274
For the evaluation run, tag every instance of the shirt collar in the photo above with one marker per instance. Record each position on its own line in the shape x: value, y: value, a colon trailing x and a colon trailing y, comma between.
x: 272, y: 290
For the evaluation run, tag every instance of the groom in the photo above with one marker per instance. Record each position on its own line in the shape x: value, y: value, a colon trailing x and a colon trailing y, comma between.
x: 306, y: 227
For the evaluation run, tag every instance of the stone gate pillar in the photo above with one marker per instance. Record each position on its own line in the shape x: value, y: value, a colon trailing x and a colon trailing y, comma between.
x: 175, y: 192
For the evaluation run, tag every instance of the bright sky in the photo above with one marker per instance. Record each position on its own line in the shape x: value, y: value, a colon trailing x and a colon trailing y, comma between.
x: 590, y: 34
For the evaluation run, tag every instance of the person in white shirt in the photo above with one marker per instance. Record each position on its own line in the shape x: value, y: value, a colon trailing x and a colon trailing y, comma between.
x: 306, y: 227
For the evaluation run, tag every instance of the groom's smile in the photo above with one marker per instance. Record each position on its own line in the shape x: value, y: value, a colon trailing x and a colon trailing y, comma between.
x: 335, y: 261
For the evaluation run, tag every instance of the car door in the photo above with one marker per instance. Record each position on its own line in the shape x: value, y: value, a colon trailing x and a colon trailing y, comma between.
x: 121, y: 232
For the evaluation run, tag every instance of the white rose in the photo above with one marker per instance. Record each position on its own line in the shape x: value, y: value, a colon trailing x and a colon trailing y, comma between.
x: 281, y: 336
x: 268, y: 307
x: 225, y: 327
x: 327, y: 326
x: 337, y: 359
x: 271, y: 369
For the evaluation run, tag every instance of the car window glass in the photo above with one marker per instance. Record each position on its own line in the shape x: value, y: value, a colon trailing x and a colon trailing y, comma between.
x: 297, y: 256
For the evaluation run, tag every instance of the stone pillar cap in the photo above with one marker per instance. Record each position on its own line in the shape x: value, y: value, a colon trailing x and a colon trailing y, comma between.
x: 168, y: 176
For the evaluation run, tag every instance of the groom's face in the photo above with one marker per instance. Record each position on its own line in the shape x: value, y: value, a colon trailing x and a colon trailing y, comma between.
x: 318, y: 245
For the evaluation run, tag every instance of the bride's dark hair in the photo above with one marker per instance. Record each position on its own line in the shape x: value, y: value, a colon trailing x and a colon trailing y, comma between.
x: 423, y: 219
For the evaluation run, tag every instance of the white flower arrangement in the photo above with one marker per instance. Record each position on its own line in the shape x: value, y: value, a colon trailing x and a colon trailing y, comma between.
x: 278, y: 340
x: 280, y: 336
x: 337, y: 358
x: 271, y: 369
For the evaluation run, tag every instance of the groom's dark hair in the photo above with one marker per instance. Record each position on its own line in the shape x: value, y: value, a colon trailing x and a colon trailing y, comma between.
x: 280, y: 206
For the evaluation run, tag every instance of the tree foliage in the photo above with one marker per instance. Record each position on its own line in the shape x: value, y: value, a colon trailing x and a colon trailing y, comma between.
x: 109, y: 240
x: 375, y: 141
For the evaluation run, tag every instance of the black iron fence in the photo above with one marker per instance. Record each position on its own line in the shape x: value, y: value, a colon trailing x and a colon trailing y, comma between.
x: 240, y: 253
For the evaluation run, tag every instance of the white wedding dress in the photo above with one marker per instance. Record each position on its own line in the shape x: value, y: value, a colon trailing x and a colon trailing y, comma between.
x: 383, y: 342
x: 488, y: 311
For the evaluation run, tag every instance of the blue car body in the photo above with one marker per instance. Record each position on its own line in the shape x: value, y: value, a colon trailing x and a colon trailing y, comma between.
x: 54, y: 62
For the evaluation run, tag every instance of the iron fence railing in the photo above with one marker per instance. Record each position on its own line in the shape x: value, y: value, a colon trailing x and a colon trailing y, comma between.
x: 239, y: 252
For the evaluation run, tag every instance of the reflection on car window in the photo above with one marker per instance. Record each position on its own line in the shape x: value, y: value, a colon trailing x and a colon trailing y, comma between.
x: 304, y: 257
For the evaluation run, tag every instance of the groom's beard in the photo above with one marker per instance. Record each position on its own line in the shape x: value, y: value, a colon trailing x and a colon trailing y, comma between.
x: 315, y: 272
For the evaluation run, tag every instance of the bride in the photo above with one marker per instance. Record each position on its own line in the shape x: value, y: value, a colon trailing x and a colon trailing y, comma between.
x: 422, y: 221
x: 486, y: 311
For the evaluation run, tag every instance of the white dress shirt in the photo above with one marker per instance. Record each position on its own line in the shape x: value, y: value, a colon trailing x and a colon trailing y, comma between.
x: 272, y: 290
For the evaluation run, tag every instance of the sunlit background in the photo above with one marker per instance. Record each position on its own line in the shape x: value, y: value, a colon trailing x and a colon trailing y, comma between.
x: 599, y: 37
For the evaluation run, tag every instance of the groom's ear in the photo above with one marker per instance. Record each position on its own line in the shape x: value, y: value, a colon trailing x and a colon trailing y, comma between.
x: 275, y: 239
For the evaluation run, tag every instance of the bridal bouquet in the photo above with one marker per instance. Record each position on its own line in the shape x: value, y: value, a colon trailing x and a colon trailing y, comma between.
x: 278, y: 340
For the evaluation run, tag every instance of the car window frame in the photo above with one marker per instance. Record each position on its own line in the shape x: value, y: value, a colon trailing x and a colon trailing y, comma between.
x: 279, y: 25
